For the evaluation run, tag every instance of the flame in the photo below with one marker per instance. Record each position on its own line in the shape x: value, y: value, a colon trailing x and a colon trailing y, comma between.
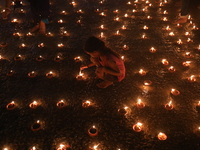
x: 38, y: 121
x: 33, y: 148
x: 139, y: 124
x: 50, y: 72
x: 170, y: 103
x: 95, y: 146
x: 139, y: 101
x: 34, y: 102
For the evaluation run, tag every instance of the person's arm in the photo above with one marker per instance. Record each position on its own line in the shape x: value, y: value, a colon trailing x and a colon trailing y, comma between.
x: 114, y: 68
x: 87, y: 66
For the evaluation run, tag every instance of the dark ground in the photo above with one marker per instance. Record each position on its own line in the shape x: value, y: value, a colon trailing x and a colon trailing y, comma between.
x: 70, y: 124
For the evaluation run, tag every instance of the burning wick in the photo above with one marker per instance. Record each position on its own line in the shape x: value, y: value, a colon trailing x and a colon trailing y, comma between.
x: 134, y: 10
x: 33, y: 148
x: 80, y: 76
x: 179, y: 42
x: 65, y: 33
x: 80, y: 11
x: 140, y: 104
x: 137, y: 127
x: 152, y: 50
x: 116, y: 19
x: 165, y: 12
x: 77, y: 59
x: 162, y: 136
x: 187, y: 33
x: 125, y: 47
x: 145, y: 27
x: 60, y: 104
x: 116, y: 11
x: 93, y: 131
x: 123, y: 27
x: 122, y: 57
x: 57, y: 58
x: 14, y: 20
x: 50, y: 74
x: 165, y: 19
x: 49, y: 34
x: 178, y: 25
x: 102, y: 14
x: 192, y: 78
x: 165, y: 62
x: 147, y: 82
x: 149, y: 17
x: 124, y: 110
x: 143, y: 36
x: 171, y: 69
x: 36, y: 126
x: 60, y: 45
x: 169, y: 106
x: 101, y: 35
x: 195, y: 28
x: 129, y: 3
x: 117, y: 32
x: 41, y: 45
x: 175, y: 92
x: 126, y: 15
x: 87, y: 103
x: 33, y: 105
x: 171, y: 34
x: 63, y: 12
x: 189, y: 40
x: 19, y: 57
x: 32, y: 74
x: 60, y: 21
x: 168, y: 28
x: 40, y: 58
x: 188, y: 55
x: 10, y: 73
x: 186, y: 63
x: 22, y: 46
x: 198, y: 104
x: 16, y: 34
x: 29, y: 34
x: 142, y: 72
x: 11, y: 106
x: 102, y: 27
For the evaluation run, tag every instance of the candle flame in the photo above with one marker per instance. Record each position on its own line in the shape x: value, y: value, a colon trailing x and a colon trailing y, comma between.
x: 139, y: 124
x: 170, y: 103
x: 139, y: 101
x: 38, y: 121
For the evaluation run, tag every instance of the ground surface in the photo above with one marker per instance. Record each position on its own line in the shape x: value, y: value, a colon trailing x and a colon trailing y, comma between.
x: 70, y: 124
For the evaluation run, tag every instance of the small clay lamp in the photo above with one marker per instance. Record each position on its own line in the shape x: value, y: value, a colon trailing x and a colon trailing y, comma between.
x: 33, y: 105
x: 179, y: 42
x: 77, y: 59
x: 1, y: 58
x: 147, y: 82
x: 36, y: 126
x: 3, y: 44
x: 40, y: 58
x: 60, y: 45
x: 22, y: 46
x: 16, y: 34
x: 93, y: 131
x: 49, y: 34
x: 63, y: 12
x: 191, y: 78
x: 87, y: 103
x: 33, y: 148
x: 80, y: 76
x: 123, y: 111
x: 152, y: 50
x: 142, y: 72
x: 57, y: 59
x: 29, y: 34
x: 165, y: 62
x: 162, y: 136
x: 12, y: 105
x: 125, y: 47
x: 41, y: 45
x: 50, y: 74
x: 19, y: 57
x: 140, y: 104
x: 188, y: 55
x: 186, y: 63
x: 175, y: 92
x: 10, y: 73
x: 61, y: 104
x: 137, y: 127
x: 169, y: 106
x: 63, y: 147
x: 65, y: 33
x: 32, y: 74
x: 171, y: 69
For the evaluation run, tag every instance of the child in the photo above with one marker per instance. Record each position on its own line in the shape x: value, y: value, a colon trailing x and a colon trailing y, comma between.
x: 110, y: 67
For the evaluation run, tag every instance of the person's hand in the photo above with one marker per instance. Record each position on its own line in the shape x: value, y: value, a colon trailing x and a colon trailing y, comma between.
x: 83, y: 67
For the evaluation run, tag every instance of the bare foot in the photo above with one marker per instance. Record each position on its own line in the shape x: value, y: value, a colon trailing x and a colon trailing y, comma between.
x: 35, y: 28
x: 180, y: 20
x: 104, y: 84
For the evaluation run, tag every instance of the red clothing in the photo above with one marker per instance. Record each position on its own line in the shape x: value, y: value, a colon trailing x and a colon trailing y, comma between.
x: 119, y: 62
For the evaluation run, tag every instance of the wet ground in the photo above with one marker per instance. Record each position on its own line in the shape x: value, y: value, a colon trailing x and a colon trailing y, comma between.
x: 69, y: 125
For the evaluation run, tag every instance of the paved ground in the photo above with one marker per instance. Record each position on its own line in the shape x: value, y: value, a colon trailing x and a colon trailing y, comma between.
x: 69, y: 125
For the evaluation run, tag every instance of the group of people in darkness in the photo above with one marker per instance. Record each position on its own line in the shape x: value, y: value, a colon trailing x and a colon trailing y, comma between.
x: 109, y: 65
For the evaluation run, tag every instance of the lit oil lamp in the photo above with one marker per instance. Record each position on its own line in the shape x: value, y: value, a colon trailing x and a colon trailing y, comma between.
x: 189, y: 17
x: 22, y: 11
x: 32, y: 74
x: 165, y: 19
x: 129, y: 3
x: 188, y: 55
x: 149, y: 17
x: 171, y: 34
x: 179, y: 25
x: 102, y: 14
x: 186, y: 63
x: 124, y: 111
x: 125, y: 47
x: 19, y: 57
x: 187, y: 33
x: 152, y: 50
x: 147, y: 82
x: 137, y: 127
x: 101, y: 35
x: 192, y: 78
x: 195, y: 28
x: 37, y: 126
x: 41, y: 45
x: 179, y: 42
x: 60, y: 45
x: 49, y: 34
x: 126, y: 15
x: 10, y: 73
x: 17, y: 34
x: 60, y: 21
x: 29, y: 34
x: 161, y: 4
x: 175, y: 92
x: 116, y: 11
x: 57, y: 58
x: 169, y: 106
x: 40, y: 58
x: 165, y: 62
x: 86, y: 103
x: 122, y: 57
x: 93, y: 131
x: 198, y: 104
x: 1, y: 58
x: 165, y: 12
x: 145, y: 27
x: 97, y: 10
x: 123, y: 27
x: 102, y: 26
x: 33, y: 105
x: 142, y: 72
x: 80, y: 76
x: 78, y: 21
x: 10, y: 106
x: 33, y: 148
x: 147, y: 2
x: 134, y: 10
x: 150, y: 5
x: 143, y: 36
x: 14, y: 20
x: 63, y: 12
x: 73, y: 3
x: 167, y: 28
x: 140, y: 104
x: 22, y: 46
x: 61, y: 104
x: 117, y: 32
x: 77, y: 59
x: 94, y: 147
x: 136, y: 1
x: 63, y: 147
x: 116, y: 19
x: 80, y: 11
x: 191, y: 23
x: 162, y: 136
x: 171, y: 69
x: 189, y: 40
x: 50, y: 74
x: 65, y: 33
x: 144, y: 9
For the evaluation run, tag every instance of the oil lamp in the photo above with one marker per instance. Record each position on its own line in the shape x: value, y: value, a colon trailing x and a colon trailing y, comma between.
x: 136, y: 1
x: 37, y: 126
x: 140, y: 104
x: 65, y: 33
x: 14, y: 20
x: 145, y: 27
x: 187, y: 33
x: 10, y: 73
x: 162, y: 136
x: 186, y: 63
x: 33, y: 105
x: 40, y: 58
x: 188, y: 55
x: 195, y: 28
x: 78, y: 21
x: 198, y: 48
x: 137, y: 127
x: 63, y: 147
x: 179, y: 25
x: 169, y: 106
x: 3, y: 44
x: 73, y: 3
x: 80, y: 76
x: 123, y: 27
x: 29, y: 34
x: 175, y: 92
x: 165, y: 62
x: 102, y: 14
x: 142, y: 72
x: 17, y: 34
x: 19, y: 57
x: 101, y: 35
x: 147, y: 82
x: 50, y: 74
x: 1, y: 58
x: 22, y: 11
x: 122, y: 57
x: 116, y: 19
x: 61, y: 104
x: 179, y: 42
x: 126, y: 15
x: 192, y: 78
x: 189, y: 40
x: 171, y: 34
x: 134, y: 10
x: 165, y: 12
x: 124, y: 111
x: 41, y: 45
x: 10, y: 106
x: 33, y: 148
x: 63, y: 12
x: 60, y: 21
x: 198, y: 131
x: 116, y: 11
x: 80, y: 11
x: 86, y: 103
x: 93, y: 131
x: 171, y: 69
x: 152, y: 50
x: 167, y: 28
x: 165, y: 19
x: 129, y: 3
x: 143, y: 36
x: 22, y: 46
x: 149, y: 17
x: 60, y: 45
x: 198, y: 104
x: 57, y: 58
x: 102, y: 26
x: 49, y: 34
x: 32, y: 74
x: 77, y: 59
x: 125, y: 47
x: 117, y: 32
